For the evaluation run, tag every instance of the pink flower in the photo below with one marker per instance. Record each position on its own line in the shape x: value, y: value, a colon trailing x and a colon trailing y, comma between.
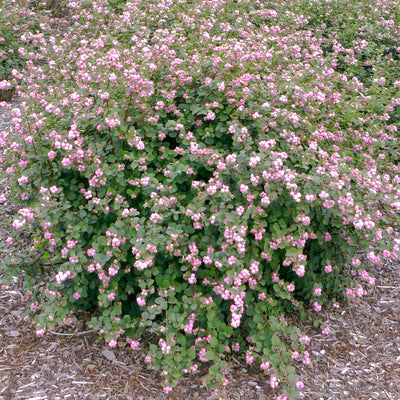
x: 273, y: 381
x: 249, y: 358
x: 147, y: 359
x: 300, y: 270
x: 231, y: 260
x: 326, y: 330
x: 141, y: 301
x: 317, y: 307
x: 299, y: 385
x: 155, y: 217
x: 192, y: 279
x: 254, y: 161
x: 111, y: 296
x: 112, y: 122
x: 167, y: 389
x: 210, y: 116
x: 244, y: 188
x: 317, y: 291
x: 328, y: 268
x: 134, y: 344
x: 290, y: 287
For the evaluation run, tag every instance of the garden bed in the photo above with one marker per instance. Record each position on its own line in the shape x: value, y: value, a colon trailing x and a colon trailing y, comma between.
x: 123, y: 188
x: 359, y: 361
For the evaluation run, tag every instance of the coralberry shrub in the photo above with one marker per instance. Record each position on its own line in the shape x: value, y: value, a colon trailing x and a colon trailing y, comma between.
x: 201, y: 169
x: 16, y: 18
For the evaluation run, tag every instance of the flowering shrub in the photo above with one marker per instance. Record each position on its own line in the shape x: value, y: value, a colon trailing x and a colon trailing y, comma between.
x: 15, y: 19
x: 200, y: 170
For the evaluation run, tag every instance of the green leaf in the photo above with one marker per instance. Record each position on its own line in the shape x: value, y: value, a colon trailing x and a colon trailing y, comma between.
x: 275, y: 341
x: 161, y: 301
x: 191, y: 353
x: 213, y: 341
x: 177, y: 357
x: 210, y: 355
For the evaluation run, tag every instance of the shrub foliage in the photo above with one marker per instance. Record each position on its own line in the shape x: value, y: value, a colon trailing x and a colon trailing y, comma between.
x: 202, y: 169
